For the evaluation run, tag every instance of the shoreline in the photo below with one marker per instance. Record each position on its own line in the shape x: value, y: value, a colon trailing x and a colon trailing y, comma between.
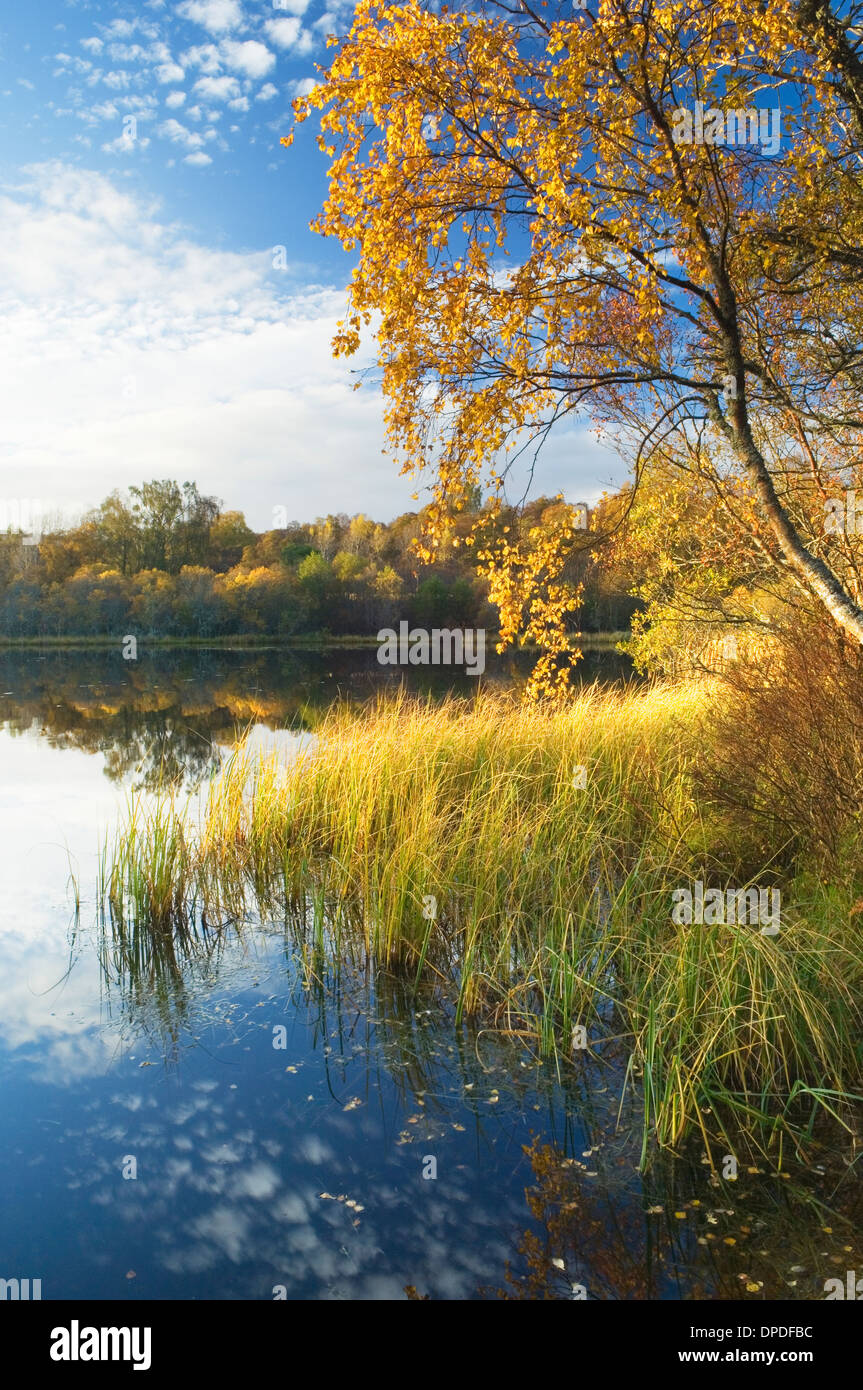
x: 260, y: 641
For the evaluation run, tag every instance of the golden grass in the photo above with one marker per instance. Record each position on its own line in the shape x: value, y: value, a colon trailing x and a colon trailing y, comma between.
x: 455, y: 840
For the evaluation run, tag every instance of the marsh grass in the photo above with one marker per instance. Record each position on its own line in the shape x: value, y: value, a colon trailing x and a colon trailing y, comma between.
x: 552, y: 902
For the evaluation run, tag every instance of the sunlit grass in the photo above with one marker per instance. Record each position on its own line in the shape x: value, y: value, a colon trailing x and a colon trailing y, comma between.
x: 456, y: 841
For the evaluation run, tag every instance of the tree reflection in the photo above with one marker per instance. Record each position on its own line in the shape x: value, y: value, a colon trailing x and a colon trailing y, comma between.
x: 681, y: 1232
x: 159, y: 721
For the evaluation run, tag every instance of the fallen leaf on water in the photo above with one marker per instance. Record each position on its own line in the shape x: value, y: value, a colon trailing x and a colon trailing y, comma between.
x: 352, y: 1103
x: 655, y: 1211
x: 131, y: 1274
x: 461, y: 1127
x: 558, y: 1264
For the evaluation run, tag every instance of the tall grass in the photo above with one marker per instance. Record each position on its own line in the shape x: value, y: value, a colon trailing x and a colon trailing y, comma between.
x: 453, y: 841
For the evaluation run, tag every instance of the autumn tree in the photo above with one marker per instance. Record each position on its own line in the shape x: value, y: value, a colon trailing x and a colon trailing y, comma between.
x: 643, y: 211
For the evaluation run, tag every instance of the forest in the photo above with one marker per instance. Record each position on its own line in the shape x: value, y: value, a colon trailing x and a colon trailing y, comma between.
x: 166, y: 561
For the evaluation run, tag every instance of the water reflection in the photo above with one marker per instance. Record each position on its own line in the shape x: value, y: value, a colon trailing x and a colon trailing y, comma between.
x: 161, y: 719
x: 536, y: 1194
x: 302, y: 1167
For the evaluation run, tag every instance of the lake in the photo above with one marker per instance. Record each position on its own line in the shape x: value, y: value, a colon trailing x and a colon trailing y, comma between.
x: 256, y: 1119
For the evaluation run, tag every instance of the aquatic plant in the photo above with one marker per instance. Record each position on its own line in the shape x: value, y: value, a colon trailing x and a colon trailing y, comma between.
x: 527, y: 859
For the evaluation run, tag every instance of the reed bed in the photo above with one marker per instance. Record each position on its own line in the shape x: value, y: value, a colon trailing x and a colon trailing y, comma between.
x: 527, y: 859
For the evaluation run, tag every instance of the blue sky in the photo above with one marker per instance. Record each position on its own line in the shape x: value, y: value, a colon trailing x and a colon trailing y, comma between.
x: 143, y: 190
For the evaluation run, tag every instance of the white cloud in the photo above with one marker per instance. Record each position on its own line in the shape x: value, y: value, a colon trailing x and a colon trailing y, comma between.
x: 25, y: 82
x: 76, y: 64
x: 170, y: 72
x: 251, y: 58
x: 267, y: 92
x: 125, y: 145
x: 104, y: 111
x: 119, y: 81
x: 204, y: 56
x: 239, y: 104
x: 179, y: 135
x: 199, y: 158
x: 228, y: 362
x: 283, y: 32
x: 92, y: 45
x: 175, y: 99
x: 217, y: 88
x: 124, y: 28
x: 302, y: 87
x: 293, y: 6
x: 215, y: 15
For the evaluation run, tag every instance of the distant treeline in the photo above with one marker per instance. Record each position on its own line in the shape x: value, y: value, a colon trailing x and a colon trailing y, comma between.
x: 168, y: 562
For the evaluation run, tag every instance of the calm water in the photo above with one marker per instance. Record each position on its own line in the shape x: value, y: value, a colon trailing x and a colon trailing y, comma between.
x: 383, y: 1152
